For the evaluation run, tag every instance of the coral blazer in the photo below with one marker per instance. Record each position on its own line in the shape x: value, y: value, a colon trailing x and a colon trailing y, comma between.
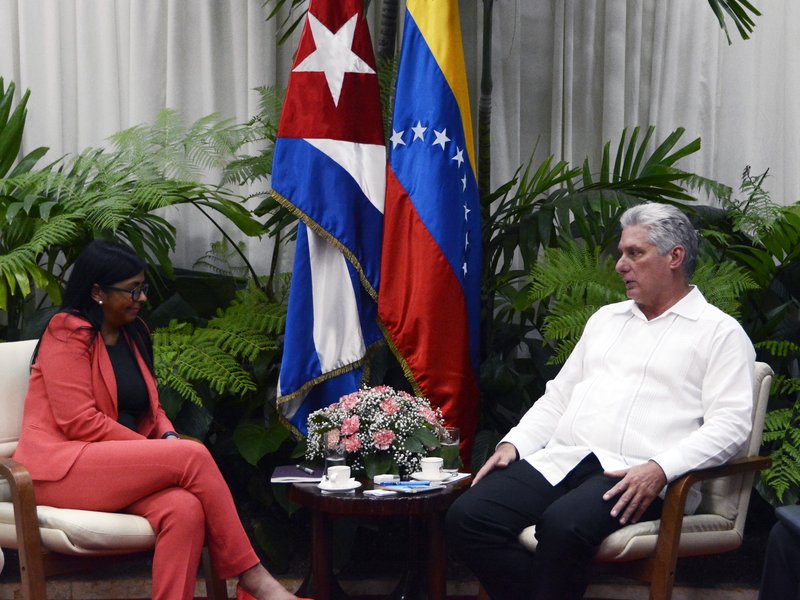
x: 72, y: 400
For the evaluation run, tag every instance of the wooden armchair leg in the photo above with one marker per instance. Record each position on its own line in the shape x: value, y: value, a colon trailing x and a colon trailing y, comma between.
x: 29, y: 549
x: 216, y: 588
x: 482, y: 595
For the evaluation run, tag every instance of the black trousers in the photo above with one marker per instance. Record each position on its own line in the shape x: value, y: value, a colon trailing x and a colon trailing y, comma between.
x: 780, y: 579
x: 571, y: 519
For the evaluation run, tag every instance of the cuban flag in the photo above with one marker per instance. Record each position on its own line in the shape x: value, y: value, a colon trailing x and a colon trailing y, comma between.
x: 329, y: 169
x: 429, y: 299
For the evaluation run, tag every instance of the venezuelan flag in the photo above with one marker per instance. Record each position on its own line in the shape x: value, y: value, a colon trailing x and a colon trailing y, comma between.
x: 429, y: 297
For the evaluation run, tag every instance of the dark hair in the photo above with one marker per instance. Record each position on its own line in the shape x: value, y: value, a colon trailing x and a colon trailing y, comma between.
x: 105, y: 263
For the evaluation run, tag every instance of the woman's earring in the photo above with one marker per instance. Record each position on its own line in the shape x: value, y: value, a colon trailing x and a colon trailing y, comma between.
x: 100, y: 302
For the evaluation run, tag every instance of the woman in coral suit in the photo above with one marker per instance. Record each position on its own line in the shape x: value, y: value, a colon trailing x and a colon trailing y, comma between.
x: 94, y: 436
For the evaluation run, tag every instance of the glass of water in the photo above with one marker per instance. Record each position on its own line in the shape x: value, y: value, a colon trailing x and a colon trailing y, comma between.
x: 334, y: 450
x: 449, y: 440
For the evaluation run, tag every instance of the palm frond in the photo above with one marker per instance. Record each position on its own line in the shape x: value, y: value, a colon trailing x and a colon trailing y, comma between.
x: 741, y: 12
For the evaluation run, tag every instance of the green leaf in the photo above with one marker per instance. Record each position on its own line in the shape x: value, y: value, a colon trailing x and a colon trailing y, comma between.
x: 414, y: 445
x: 254, y: 441
x: 380, y: 464
x: 426, y: 437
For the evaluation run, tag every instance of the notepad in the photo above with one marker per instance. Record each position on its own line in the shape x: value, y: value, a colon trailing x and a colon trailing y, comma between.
x: 292, y: 474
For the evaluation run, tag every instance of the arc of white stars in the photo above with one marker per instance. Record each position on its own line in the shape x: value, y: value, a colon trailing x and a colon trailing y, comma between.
x: 334, y: 54
x: 441, y: 138
x: 397, y: 138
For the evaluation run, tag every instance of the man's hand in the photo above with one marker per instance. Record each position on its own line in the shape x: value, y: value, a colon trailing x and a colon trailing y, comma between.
x: 504, y: 455
x: 637, y: 489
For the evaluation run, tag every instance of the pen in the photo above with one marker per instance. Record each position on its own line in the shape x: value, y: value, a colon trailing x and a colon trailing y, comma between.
x: 406, y: 483
x: 305, y: 469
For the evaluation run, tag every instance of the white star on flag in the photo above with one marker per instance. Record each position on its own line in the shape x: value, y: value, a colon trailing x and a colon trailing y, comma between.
x: 459, y: 157
x: 397, y: 138
x: 419, y: 131
x: 334, y: 55
x: 441, y: 138
x: 463, y: 183
x: 466, y: 212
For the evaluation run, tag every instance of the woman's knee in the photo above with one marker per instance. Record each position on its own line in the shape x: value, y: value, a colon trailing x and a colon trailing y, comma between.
x: 184, y: 508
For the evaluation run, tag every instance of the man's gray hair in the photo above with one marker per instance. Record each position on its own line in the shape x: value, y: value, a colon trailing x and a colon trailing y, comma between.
x: 667, y: 227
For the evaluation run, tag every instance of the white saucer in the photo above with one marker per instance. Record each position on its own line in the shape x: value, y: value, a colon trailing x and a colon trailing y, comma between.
x: 327, y: 486
x: 420, y: 476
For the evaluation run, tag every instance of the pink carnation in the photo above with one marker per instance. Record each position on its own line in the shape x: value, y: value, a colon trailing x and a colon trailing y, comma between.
x: 352, y: 444
x: 383, y: 439
x: 332, y: 438
x: 350, y: 425
x: 428, y: 414
x: 349, y: 402
x: 390, y: 406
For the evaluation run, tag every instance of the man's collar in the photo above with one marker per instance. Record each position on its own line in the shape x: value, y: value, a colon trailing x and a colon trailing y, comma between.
x: 689, y: 307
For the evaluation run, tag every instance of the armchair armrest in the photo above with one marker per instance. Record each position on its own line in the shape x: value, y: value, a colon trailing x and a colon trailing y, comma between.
x: 25, y: 517
x: 669, y: 533
x: 678, y: 490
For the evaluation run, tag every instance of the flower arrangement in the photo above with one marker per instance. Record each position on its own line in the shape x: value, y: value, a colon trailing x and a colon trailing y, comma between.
x: 382, y: 430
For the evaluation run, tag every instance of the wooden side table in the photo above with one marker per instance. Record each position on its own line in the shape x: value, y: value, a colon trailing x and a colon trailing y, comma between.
x: 428, y: 507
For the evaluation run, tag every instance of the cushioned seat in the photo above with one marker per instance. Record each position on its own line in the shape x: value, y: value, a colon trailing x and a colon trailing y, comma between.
x: 49, y: 539
x: 83, y: 532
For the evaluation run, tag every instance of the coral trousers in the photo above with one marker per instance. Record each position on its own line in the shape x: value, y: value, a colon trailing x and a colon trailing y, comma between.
x: 177, y: 487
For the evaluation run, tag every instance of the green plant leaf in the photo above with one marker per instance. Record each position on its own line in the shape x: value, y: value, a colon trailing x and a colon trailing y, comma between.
x: 254, y: 441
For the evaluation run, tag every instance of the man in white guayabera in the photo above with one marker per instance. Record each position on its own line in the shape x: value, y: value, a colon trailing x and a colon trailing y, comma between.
x: 658, y: 385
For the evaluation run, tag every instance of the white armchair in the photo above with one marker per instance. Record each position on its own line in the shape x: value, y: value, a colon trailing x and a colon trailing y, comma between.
x: 52, y: 540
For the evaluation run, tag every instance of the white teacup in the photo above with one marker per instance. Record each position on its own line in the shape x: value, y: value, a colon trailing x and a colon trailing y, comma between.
x: 431, y: 465
x: 339, y: 476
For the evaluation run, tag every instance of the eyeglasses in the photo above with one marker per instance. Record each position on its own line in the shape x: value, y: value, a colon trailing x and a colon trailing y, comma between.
x: 135, y: 293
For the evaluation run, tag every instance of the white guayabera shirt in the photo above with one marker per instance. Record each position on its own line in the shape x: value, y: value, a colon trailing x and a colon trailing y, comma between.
x: 676, y: 390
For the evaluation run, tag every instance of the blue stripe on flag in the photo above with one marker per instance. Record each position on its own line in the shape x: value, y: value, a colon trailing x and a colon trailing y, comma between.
x: 327, y: 193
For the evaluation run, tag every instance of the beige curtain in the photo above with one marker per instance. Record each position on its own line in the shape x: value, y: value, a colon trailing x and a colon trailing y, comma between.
x: 571, y: 74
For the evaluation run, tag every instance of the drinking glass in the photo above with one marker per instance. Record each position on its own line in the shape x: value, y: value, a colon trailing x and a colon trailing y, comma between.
x: 450, y: 438
x: 334, y: 450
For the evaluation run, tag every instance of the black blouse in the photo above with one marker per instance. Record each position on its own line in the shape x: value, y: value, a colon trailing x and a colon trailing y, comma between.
x: 132, y: 398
